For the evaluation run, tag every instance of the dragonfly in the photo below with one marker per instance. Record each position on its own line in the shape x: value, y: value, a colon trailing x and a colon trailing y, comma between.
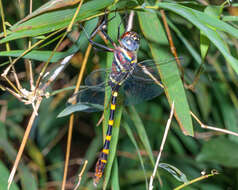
x: 128, y: 80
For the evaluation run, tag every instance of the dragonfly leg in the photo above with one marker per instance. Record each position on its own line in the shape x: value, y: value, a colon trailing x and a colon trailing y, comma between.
x: 106, y: 21
x: 108, y: 38
x: 100, y: 27
x: 95, y: 44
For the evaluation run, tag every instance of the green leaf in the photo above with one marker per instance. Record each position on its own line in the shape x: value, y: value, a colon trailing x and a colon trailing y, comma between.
x: 115, y: 176
x: 221, y: 151
x: 204, y: 45
x: 213, y: 11
x: 130, y: 134
x: 230, y: 18
x: 4, y: 174
x: 227, y: 110
x: 35, y: 55
x: 207, y: 24
x: 27, y: 179
x: 79, y: 107
x: 175, y: 172
x: 154, y: 33
x: 52, y: 21
x: 49, y: 6
x: 141, y: 132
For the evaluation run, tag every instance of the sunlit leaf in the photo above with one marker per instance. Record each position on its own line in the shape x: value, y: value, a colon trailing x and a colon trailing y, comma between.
x: 175, y: 172
x: 51, y: 21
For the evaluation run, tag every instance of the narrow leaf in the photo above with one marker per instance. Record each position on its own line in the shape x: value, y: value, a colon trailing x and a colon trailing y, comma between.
x: 207, y: 24
x: 115, y: 176
x: 4, y: 174
x: 141, y: 132
x: 52, y: 21
x: 226, y: 154
x: 154, y: 33
x: 175, y: 172
x: 28, y: 179
x: 79, y: 107
x: 130, y: 134
x: 35, y: 55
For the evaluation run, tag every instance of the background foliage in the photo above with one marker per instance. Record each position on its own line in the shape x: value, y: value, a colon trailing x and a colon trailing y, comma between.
x: 205, y: 35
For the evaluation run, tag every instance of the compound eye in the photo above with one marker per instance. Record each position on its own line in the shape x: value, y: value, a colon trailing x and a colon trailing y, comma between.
x: 128, y: 42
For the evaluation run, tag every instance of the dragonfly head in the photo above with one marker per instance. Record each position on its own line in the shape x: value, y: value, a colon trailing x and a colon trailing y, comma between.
x: 130, y: 41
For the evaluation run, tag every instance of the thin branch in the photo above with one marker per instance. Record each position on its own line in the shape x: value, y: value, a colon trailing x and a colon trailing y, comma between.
x: 130, y: 21
x: 4, y: 74
x: 171, y: 43
x: 71, y: 119
x: 81, y: 174
x: 28, y: 61
x: 212, y: 128
x: 23, y: 143
x: 213, y: 172
x: 162, y: 146
x: 61, y: 39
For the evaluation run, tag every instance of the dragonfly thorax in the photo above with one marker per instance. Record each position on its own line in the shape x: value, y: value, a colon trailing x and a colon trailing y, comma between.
x: 130, y: 41
x: 123, y: 65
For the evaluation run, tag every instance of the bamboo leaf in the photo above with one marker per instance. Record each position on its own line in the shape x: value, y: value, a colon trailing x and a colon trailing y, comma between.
x: 213, y: 11
x: 207, y: 24
x: 35, y: 55
x: 141, y: 132
x: 225, y: 155
x: 28, y: 179
x: 79, y: 107
x: 130, y: 134
x: 52, y: 21
x: 4, y: 174
x: 175, y: 172
x: 154, y: 33
x: 115, y: 176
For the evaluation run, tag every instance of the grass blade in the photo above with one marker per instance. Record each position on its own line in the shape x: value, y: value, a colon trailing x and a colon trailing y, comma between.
x: 130, y: 134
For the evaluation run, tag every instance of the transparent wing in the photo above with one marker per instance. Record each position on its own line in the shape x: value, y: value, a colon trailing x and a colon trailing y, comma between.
x: 97, y: 77
x: 144, y: 83
x: 91, y: 97
x: 138, y: 87
x: 152, y: 67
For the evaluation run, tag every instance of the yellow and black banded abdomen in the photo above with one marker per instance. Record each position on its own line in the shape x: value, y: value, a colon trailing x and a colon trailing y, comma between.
x: 101, y: 163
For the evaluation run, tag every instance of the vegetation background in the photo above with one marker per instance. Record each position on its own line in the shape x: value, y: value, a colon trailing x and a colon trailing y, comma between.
x: 204, y: 33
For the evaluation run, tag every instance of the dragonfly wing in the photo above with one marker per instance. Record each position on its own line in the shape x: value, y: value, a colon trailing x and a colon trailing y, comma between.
x: 144, y: 83
x: 137, y: 90
x: 97, y: 77
x: 151, y: 66
x: 92, y: 97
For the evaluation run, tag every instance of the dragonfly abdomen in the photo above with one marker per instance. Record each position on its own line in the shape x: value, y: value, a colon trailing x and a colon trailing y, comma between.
x: 102, y: 160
